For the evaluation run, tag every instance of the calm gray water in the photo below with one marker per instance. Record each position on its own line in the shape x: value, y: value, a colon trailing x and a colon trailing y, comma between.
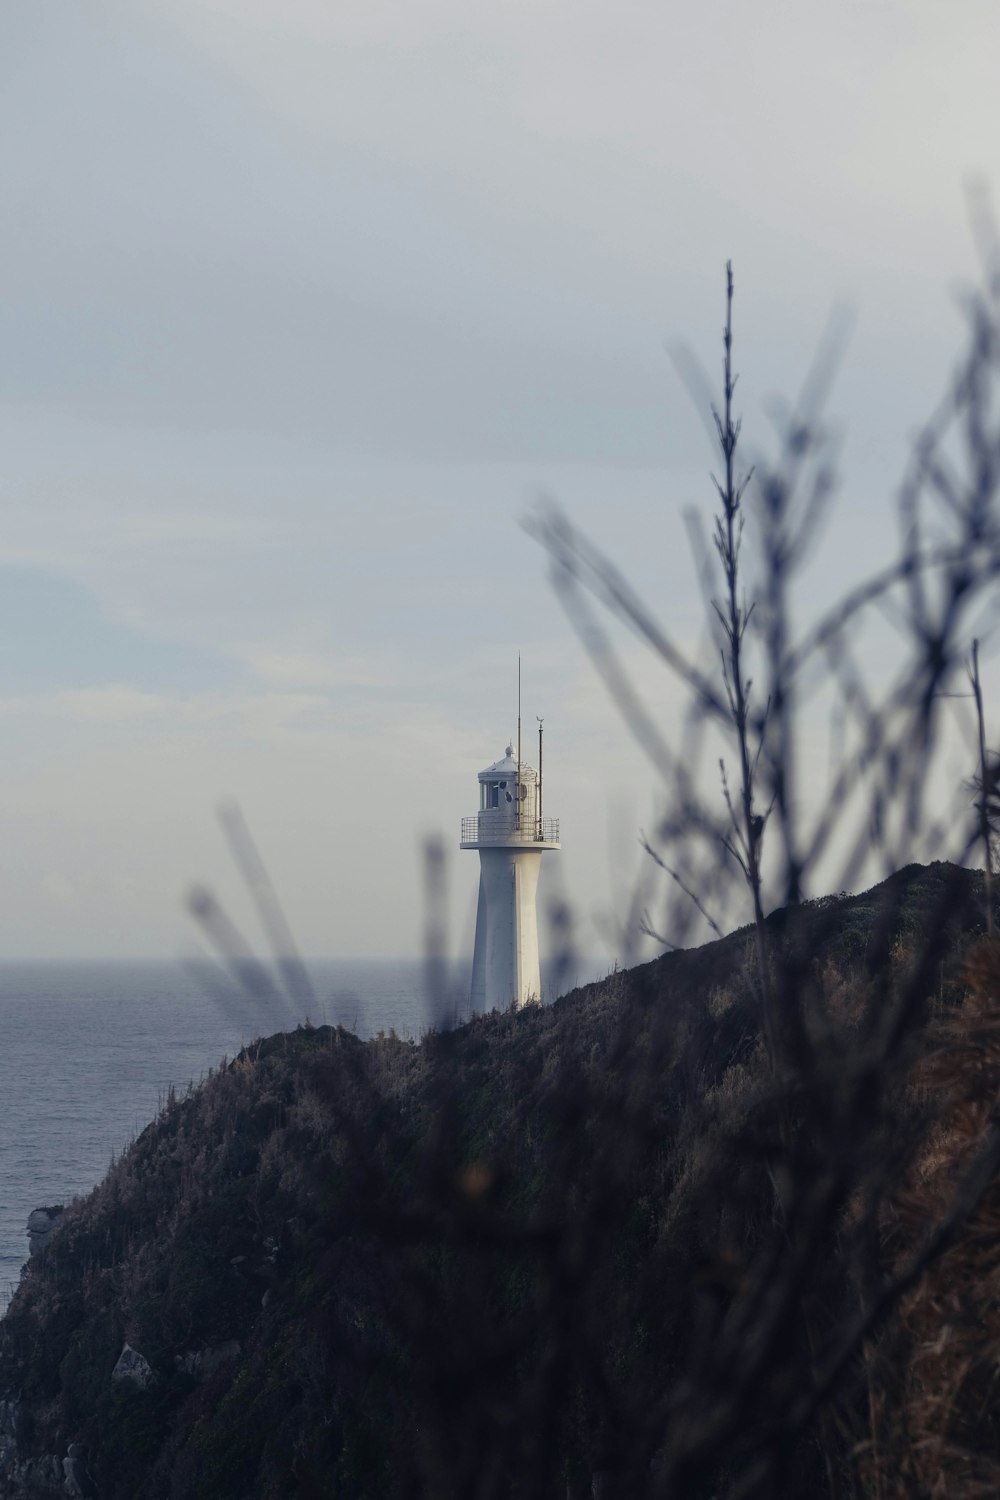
x: 89, y: 1050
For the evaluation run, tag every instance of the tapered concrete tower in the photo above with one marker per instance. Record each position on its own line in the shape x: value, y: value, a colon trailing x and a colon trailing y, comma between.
x: 511, y: 836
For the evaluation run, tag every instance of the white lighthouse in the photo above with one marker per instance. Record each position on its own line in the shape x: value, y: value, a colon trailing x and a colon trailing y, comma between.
x: 511, y: 836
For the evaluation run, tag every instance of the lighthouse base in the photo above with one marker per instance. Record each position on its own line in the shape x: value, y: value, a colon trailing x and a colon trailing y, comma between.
x: 505, y: 963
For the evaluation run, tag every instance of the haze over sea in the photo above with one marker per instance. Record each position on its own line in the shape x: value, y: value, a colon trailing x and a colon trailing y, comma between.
x: 90, y: 1050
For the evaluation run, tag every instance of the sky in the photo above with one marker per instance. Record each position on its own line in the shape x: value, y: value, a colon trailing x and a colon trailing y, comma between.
x: 304, y: 309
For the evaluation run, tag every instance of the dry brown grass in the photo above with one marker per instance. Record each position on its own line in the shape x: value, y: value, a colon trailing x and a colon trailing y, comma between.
x: 936, y: 1373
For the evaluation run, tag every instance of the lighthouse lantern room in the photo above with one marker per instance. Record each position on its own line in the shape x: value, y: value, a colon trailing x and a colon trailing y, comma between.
x: 511, y: 836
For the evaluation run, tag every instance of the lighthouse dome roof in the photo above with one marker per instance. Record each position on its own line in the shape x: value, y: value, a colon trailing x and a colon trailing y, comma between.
x: 501, y: 769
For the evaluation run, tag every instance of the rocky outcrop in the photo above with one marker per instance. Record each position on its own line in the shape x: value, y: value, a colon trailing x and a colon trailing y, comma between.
x: 78, y: 1479
x: 42, y: 1225
x: 132, y: 1368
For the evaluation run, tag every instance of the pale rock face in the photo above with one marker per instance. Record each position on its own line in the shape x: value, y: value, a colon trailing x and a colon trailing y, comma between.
x: 133, y: 1368
x: 42, y: 1225
x: 78, y: 1479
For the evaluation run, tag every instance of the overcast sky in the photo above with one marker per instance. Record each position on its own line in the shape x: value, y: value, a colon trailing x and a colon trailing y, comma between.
x: 305, y: 303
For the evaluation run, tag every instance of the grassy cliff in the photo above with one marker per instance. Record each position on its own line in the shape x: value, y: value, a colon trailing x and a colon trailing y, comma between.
x: 597, y: 1247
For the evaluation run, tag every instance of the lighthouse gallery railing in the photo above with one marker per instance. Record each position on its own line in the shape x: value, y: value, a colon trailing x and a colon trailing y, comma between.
x: 487, y: 828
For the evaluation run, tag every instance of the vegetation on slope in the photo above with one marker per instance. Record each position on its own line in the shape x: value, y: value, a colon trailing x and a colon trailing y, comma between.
x: 596, y: 1243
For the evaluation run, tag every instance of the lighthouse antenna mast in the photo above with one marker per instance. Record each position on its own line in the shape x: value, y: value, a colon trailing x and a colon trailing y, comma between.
x: 517, y: 805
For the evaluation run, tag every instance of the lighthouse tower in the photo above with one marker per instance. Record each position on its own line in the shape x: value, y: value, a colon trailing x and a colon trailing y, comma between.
x: 511, y: 836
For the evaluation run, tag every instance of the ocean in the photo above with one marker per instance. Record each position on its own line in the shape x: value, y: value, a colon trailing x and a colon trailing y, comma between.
x: 88, y: 1052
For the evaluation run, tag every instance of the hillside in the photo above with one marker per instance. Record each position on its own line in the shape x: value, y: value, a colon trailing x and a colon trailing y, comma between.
x: 597, y: 1247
